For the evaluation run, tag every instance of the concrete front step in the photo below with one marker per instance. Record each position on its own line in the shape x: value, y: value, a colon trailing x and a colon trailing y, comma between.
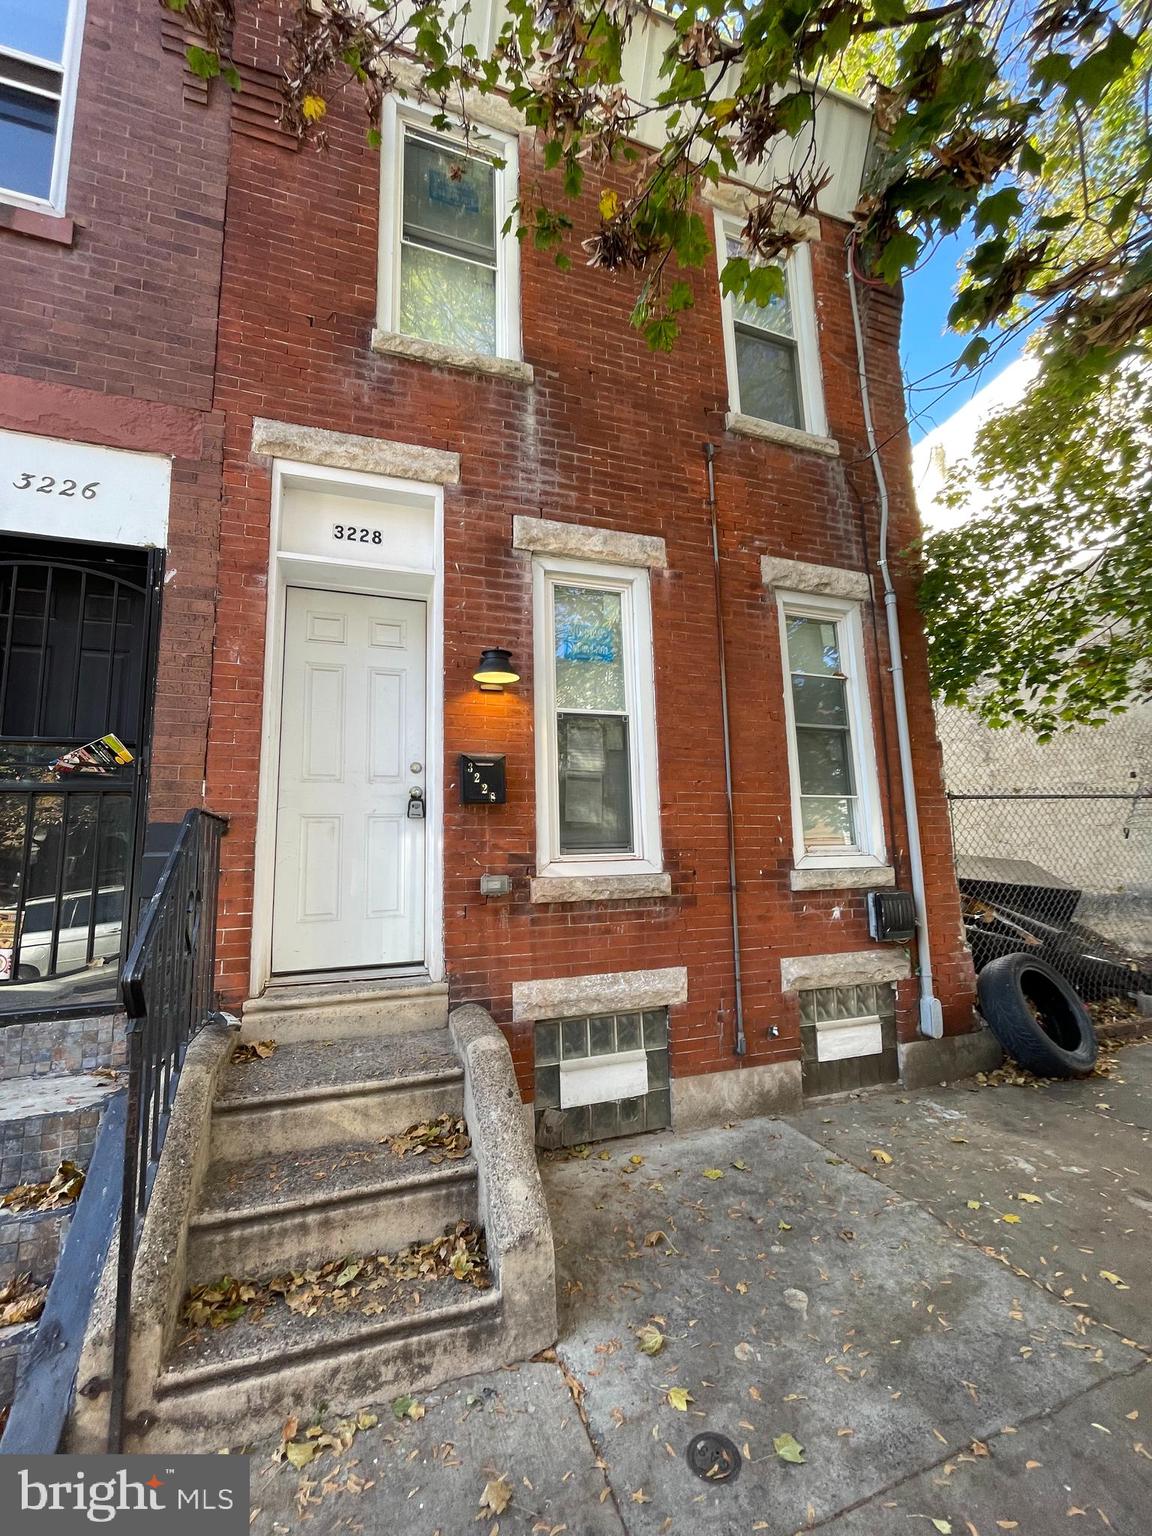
x: 335, y: 1010
x: 238, y: 1383
x: 275, y: 1214
x: 313, y: 1094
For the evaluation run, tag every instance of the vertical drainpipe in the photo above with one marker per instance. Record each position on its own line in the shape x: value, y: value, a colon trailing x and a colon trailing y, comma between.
x: 740, y: 1044
x: 931, y: 1017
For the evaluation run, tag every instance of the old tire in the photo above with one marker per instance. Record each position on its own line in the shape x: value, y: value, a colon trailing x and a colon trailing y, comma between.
x: 1037, y: 1017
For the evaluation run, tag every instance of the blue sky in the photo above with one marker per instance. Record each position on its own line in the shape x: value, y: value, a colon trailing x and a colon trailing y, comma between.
x: 927, y: 347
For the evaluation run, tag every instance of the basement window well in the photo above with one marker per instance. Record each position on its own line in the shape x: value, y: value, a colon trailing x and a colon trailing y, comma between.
x: 602, y: 1076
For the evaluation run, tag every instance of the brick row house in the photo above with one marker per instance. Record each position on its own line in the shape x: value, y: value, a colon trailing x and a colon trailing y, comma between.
x: 500, y: 640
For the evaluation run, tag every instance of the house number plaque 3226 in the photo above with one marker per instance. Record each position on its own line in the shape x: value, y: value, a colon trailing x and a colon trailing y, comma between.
x: 49, y: 485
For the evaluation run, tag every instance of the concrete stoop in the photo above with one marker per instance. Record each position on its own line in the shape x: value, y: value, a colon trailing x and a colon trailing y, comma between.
x: 282, y: 1169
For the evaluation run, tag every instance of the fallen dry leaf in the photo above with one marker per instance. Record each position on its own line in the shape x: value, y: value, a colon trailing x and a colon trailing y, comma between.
x: 679, y: 1399
x: 61, y: 1189
x: 713, y: 1173
x: 650, y: 1339
x: 880, y: 1156
x: 1106, y: 1274
x: 496, y: 1497
x: 253, y: 1050
x: 21, y: 1301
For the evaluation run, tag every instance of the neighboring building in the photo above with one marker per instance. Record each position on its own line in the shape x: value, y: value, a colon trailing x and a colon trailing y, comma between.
x: 111, y: 227
x: 437, y: 445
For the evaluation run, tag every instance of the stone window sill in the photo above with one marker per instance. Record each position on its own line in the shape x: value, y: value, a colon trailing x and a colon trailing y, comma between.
x: 393, y: 344
x: 773, y: 432
x: 563, y: 888
x: 53, y: 227
x: 843, y: 877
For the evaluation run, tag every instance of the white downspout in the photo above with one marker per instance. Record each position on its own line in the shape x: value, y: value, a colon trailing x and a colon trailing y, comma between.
x: 931, y: 1016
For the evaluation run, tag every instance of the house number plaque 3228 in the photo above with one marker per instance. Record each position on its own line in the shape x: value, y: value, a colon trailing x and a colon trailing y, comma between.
x: 353, y: 534
x: 49, y: 485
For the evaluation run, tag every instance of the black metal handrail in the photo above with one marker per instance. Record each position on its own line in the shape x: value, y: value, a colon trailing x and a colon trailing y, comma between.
x: 168, y: 986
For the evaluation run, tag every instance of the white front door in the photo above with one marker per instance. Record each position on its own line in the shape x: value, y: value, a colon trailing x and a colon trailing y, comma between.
x: 349, y: 882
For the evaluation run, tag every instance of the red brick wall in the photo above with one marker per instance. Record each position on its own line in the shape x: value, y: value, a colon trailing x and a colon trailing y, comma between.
x: 108, y: 329
x: 608, y: 435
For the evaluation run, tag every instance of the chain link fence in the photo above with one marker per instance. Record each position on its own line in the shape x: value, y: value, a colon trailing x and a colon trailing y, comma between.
x: 1054, y: 846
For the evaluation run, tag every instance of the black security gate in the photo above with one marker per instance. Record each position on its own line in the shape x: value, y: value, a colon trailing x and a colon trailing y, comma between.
x: 77, y: 629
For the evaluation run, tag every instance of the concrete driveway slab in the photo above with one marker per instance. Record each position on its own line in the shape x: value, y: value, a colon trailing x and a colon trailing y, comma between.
x: 1063, y: 1160
x: 797, y: 1296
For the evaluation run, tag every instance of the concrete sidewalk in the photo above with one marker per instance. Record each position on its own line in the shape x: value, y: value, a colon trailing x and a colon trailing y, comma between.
x: 936, y: 1360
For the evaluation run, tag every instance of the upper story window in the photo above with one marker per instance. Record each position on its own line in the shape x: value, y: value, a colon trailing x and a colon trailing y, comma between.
x: 449, y: 271
x: 835, y: 796
x: 772, y: 351
x: 39, y: 56
x: 597, y: 798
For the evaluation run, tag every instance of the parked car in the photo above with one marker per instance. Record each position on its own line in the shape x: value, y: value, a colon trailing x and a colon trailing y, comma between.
x: 72, y: 946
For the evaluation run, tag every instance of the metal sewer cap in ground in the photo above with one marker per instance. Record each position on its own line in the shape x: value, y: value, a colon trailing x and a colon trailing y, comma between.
x: 713, y: 1457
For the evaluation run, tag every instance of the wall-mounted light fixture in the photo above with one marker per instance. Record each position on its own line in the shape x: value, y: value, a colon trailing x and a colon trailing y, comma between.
x: 495, y: 670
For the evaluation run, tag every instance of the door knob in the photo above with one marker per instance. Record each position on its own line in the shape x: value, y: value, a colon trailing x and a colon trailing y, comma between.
x: 416, y: 767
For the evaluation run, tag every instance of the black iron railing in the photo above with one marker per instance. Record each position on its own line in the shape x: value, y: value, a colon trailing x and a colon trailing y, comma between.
x: 168, y: 986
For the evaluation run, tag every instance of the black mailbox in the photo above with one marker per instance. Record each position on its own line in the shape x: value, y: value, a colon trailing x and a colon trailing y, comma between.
x: 482, y: 780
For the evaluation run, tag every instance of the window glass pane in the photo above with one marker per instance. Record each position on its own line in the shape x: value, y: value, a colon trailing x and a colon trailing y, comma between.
x: 819, y: 700
x: 775, y: 316
x: 828, y: 822
x: 448, y: 301
x: 766, y: 370
x: 589, y: 649
x: 825, y: 762
x: 595, y: 784
x: 448, y: 199
x: 34, y: 26
x: 27, y: 142
x: 813, y: 646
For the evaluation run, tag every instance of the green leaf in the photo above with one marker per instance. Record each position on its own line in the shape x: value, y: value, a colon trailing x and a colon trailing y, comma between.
x: 973, y: 353
x: 1089, y: 81
x: 203, y: 62
x: 997, y: 210
x: 789, y: 1449
x: 900, y: 253
x: 679, y: 297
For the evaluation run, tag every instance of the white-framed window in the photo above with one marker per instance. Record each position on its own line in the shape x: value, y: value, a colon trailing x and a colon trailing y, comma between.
x: 597, y: 794
x: 836, y: 815
x: 39, y: 60
x: 449, y: 272
x: 772, y: 352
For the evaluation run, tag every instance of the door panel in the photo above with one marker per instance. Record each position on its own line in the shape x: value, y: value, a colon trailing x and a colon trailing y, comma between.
x: 349, y: 880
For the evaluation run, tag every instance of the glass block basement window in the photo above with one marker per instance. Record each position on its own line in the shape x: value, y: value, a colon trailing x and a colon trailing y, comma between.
x: 601, y: 1076
x: 848, y: 1035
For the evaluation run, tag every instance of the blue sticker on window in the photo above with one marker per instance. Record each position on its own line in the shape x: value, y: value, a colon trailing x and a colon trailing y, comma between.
x: 579, y: 640
x: 453, y: 192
